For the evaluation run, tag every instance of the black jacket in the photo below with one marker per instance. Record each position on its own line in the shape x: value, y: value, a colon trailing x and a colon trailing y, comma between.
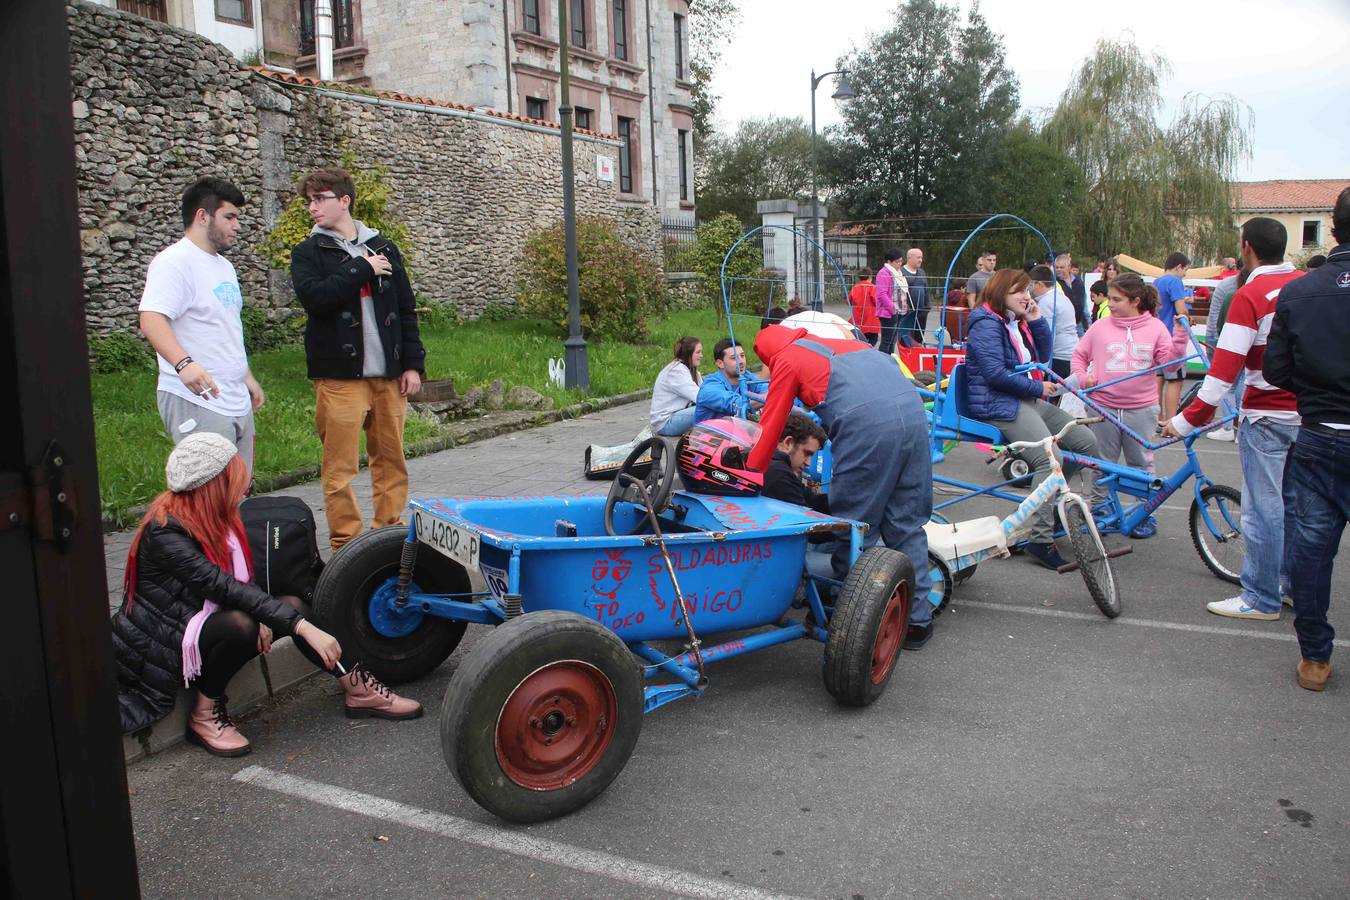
x: 1306, y: 351
x: 781, y: 483
x: 328, y: 282
x: 173, y: 581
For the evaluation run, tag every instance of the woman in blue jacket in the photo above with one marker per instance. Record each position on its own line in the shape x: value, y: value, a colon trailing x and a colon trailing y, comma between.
x: 1005, y: 331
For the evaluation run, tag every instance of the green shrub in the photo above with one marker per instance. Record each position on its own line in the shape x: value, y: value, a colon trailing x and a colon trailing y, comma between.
x: 715, y: 238
x: 371, y: 207
x: 498, y: 312
x: 434, y: 314
x: 119, y: 352
x: 620, y: 288
x: 262, y: 333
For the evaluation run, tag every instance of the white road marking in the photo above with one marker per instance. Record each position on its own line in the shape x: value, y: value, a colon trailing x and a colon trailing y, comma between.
x: 591, y: 862
x: 1125, y: 620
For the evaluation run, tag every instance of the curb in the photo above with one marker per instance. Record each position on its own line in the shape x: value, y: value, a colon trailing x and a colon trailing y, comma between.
x: 266, y: 677
x: 522, y: 421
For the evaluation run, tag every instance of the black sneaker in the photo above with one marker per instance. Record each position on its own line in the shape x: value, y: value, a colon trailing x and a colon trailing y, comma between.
x: 1047, y: 555
x: 917, y: 636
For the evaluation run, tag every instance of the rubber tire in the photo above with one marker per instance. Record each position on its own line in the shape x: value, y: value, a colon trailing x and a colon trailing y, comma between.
x: 342, y: 605
x: 484, y: 683
x: 856, y: 622
x: 1199, y: 528
x: 1087, y: 546
x: 946, y: 584
x: 659, y: 479
x: 925, y: 378
x: 1008, y: 470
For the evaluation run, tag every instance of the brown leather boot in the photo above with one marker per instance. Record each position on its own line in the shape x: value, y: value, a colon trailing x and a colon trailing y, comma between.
x: 209, y: 725
x: 367, y: 696
x: 1313, y: 675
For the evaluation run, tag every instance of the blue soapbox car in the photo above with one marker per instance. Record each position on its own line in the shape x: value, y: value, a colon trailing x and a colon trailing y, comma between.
x: 603, y: 605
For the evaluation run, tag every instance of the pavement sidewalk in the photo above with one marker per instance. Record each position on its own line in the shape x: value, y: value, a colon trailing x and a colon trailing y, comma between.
x: 542, y: 460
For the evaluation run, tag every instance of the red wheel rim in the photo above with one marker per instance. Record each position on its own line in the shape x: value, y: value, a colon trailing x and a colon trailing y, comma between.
x: 556, y: 725
x: 890, y: 633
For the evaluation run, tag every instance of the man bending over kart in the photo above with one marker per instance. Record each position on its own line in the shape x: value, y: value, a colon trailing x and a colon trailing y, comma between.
x: 872, y: 414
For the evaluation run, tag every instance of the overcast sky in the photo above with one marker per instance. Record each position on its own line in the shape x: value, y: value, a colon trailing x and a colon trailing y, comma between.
x: 1289, y: 61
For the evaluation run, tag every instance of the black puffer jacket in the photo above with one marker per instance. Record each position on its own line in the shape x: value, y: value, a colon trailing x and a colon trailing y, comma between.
x: 328, y: 282
x: 173, y: 581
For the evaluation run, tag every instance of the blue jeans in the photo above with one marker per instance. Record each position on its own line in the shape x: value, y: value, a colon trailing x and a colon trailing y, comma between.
x: 679, y: 422
x: 1263, y: 446
x: 1316, y: 509
x: 886, y: 343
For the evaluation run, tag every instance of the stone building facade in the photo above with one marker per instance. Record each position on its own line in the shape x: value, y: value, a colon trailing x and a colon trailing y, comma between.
x: 470, y: 185
x: 629, y: 64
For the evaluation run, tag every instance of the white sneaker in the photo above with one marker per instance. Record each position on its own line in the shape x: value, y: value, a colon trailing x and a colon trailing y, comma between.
x: 1237, y: 608
x: 1221, y: 434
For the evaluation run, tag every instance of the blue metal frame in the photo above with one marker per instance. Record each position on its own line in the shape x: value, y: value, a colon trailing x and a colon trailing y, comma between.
x: 394, y: 618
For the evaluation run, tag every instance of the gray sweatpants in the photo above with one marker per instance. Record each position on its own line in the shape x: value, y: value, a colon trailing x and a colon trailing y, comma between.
x: 1111, y: 441
x: 1035, y: 420
x: 182, y: 417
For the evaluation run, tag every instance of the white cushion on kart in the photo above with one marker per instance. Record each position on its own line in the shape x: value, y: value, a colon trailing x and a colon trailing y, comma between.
x: 822, y: 324
x: 950, y: 541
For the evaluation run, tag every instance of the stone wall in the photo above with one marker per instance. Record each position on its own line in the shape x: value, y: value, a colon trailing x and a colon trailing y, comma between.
x: 155, y: 108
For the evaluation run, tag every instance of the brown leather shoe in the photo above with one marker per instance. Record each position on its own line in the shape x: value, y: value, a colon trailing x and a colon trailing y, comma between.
x: 367, y: 696
x: 209, y: 725
x: 1313, y: 675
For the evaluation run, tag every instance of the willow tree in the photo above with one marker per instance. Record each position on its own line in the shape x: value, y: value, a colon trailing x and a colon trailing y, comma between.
x: 1150, y: 190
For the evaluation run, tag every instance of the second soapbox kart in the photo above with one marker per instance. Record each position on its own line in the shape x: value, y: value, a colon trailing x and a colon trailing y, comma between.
x: 544, y: 712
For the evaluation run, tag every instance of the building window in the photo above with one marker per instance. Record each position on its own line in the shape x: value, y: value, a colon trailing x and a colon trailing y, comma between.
x: 536, y: 108
x: 679, y: 47
x: 343, y: 32
x: 531, y: 16
x: 583, y: 117
x: 578, y: 23
x: 1312, y: 232
x: 626, y: 155
x: 619, y: 10
x: 240, y: 12
x: 684, y: 164
x: 150, y: 9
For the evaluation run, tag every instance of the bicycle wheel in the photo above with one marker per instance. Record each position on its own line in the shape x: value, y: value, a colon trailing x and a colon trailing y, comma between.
x: 963, y: 575
x: 1092, y: 559
x: 1222, y: 551
x: 940, y: 594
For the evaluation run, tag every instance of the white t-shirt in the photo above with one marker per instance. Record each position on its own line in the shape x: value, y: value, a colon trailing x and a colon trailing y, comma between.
x: 1059, y: 313
x: 199, y: 293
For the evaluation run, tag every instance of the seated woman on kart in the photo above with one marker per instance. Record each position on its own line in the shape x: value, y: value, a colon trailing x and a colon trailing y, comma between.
x: 676, y: 389
x: 1131, y: 339
x: 191, y: 614
x: 1008, y: 330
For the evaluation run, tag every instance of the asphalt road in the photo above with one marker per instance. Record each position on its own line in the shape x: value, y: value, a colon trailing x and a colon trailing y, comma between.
x: 1032, y: 749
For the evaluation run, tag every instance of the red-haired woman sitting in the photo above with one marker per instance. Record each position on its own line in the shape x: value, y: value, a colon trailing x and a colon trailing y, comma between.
x: 191, y: 615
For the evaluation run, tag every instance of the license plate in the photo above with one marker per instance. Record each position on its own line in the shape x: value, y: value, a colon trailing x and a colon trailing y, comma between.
x: 460, y: 544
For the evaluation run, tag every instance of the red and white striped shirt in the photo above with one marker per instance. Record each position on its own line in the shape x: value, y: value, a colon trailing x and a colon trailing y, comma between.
x: 1242, y: 344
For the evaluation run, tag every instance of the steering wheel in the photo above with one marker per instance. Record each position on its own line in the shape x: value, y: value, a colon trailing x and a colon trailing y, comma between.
x: 659, y: 478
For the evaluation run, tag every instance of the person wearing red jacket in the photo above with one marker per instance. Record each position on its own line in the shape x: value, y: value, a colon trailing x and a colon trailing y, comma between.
x: 1269, y: 421
x: 863, y: 299
x: 883, y: 473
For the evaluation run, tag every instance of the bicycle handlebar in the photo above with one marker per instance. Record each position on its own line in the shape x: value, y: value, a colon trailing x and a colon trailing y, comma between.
x: 1052, y: 438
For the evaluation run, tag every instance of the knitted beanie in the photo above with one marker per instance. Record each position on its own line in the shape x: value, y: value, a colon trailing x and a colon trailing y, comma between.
x: 197, y: 459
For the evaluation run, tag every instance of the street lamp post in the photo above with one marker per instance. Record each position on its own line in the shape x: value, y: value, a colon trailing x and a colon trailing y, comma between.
x: 576, y: 369
x: 842, y: 91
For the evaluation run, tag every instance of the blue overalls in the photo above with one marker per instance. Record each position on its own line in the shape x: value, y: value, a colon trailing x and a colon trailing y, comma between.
x: 883, y: 471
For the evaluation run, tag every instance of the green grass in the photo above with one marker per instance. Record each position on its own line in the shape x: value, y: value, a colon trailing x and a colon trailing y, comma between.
x: 132, y: 445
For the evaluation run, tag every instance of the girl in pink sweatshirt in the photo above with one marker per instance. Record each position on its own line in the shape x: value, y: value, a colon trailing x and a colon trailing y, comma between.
x: 1129, y: 340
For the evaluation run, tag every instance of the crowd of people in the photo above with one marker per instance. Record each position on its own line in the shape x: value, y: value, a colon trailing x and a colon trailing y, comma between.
x: 1276, y: 337
x: 192, y: 615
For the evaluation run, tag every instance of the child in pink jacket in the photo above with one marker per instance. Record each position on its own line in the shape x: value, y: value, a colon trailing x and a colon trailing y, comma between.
x: 1129, y: 340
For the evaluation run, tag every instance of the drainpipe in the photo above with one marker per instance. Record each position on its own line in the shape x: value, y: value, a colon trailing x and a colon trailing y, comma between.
x: 506, y: 52
x: 323, y: 38
x: 651, y: 104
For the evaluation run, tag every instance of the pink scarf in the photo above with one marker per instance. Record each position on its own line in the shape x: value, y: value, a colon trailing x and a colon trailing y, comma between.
x: 192, y: 655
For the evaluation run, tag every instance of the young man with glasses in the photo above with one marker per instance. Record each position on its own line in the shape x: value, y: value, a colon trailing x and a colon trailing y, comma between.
x: 362, y: 349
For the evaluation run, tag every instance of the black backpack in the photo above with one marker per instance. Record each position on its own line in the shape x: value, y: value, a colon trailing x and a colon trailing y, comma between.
x: 285, y: 550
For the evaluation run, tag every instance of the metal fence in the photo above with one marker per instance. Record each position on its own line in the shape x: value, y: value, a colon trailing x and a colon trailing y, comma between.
x: 677, y: 236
